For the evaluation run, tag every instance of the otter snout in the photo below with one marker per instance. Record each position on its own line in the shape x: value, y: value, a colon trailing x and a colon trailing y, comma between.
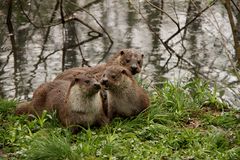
x: 97, y: 86
x: 104, y: 81
x: 134, y: 69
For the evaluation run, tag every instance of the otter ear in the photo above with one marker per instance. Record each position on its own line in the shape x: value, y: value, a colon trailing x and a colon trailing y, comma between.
x: 76, y: 80
x: 73, y: 82
x: 124, y: 71
x: 122, y: 53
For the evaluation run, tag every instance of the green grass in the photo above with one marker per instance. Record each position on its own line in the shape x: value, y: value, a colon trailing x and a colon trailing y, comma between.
x: 185, y: 121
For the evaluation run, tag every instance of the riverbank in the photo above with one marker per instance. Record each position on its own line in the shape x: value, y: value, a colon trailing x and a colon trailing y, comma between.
x: 184, y: 121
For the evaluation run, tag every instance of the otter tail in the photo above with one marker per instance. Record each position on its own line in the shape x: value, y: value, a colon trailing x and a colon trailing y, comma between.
x: 24, y: 108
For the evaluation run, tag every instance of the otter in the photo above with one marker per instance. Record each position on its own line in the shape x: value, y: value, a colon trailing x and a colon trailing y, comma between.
x: 77, y: 102
x: 125, y: 98
x: 128, y: 58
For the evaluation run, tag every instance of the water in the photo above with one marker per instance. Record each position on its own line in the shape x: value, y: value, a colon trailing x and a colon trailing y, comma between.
x: 41, y: 52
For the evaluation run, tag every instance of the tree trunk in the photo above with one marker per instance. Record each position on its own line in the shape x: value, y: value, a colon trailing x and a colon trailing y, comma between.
x: 234, y: 29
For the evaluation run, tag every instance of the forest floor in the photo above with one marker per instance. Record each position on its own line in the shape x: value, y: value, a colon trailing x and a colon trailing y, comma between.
x: 184, y: 121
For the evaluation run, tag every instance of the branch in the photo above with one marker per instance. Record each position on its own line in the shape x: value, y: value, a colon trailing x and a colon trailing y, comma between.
x: 10, y: 26
x: 161, y: 10
x: 109, y: 37
x: 71, y: 46
x: 61, y: 12
x: 224, y: 44
x: 234, y: 29
x: 46, y: 36
x: 84, y: 61
x: 40, y: 26
x: 83, y: 23
x: 4, y: 65
x: 169, y: 49
x: 111, y: 41
x: 235, y: 5
x: 63, y: 34
x: 198, y: 15
x: 48, y: 29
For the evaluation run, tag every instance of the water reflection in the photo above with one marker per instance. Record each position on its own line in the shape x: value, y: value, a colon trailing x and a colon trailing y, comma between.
x: 50, y: 37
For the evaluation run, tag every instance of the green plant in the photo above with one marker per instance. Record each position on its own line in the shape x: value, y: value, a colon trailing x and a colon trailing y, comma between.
x: 184, y: 121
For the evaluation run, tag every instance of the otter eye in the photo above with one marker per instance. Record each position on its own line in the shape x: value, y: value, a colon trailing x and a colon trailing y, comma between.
x: 87, y: 81
x: 76, y: 80
x: 127, y: 60
x: 139, y: 62
x: 113, y: 76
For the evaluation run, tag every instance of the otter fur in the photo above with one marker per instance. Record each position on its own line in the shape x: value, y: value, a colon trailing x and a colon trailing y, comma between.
x: 125, y: 98
x: 77, y: 102
x: 131, y: 59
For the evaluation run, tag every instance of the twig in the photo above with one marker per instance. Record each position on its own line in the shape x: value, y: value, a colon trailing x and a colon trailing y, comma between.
x: 109, y: 37
x: 104, y: 30
x: 10, y: 26
x: 228, y: 52
x: 161, y: 10
x: 198, y: 15
x: 63, y: 35
x: 91, y: 3
x: 48, y: 29
x: 40, y: 56
x: 234, y: 30
x: 106, y: 53
x: 41, y: 59
x: 83, y: 23
x: 83, y: 9
x: 84, y: 61
x: 61, y: 12
x: 71, y: 46
x: 4, y: 65
x: 235, y: 5
x: 168, y: 48
x: 35, y: 25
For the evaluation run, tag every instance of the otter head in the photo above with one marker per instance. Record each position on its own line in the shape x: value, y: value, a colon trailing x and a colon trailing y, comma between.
x: 132, y: 60
x: 86, y: 84
x: 115, y: 77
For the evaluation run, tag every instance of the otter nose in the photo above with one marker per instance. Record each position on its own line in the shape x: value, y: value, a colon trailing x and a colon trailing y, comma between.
x: 134, y: 68
x: 97, y: 86
x: 104, y: 81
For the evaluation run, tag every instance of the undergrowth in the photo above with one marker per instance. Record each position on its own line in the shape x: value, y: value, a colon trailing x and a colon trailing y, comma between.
x: 184, y: 121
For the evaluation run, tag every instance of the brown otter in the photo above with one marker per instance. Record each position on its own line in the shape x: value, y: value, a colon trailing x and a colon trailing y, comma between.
x: 125, y: 98
x: 129, y: 58
x: 77, y: 102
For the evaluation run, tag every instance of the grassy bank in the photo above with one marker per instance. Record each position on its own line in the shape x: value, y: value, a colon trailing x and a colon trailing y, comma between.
x: 183, y: 122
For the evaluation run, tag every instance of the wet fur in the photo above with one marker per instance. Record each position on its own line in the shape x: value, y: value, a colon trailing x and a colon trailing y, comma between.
x: 125, y: 57
x: 73, y: 109
x: 84, y: 111
x: 125, y: 97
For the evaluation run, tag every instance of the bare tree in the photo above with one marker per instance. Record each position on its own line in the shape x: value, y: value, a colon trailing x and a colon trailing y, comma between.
x: 235, y: 30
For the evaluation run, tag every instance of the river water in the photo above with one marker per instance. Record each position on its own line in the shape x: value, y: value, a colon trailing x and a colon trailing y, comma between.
x: 202, y: 49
